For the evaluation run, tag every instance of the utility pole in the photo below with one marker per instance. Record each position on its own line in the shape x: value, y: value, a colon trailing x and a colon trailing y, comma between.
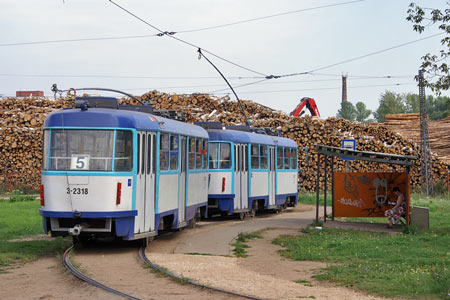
x: 425, y: 159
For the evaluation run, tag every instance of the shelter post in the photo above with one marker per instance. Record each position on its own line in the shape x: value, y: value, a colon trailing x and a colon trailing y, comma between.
x: 317, y: 188
x: 332, y: 188
x: 325, y: 192
x: 408, y: 197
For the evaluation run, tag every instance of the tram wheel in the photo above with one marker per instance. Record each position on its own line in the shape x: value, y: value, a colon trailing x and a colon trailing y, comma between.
x: 242, y: 216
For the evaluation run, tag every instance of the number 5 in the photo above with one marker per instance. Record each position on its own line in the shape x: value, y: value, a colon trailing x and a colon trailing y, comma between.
x: 80, y: 162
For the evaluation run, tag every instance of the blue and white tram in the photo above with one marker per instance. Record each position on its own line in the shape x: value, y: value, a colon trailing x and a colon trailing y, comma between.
x: 250, y: 171
x: 121, y: 173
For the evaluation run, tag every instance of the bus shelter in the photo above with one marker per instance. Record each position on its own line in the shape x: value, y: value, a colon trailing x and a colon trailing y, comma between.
x: 362, y: 194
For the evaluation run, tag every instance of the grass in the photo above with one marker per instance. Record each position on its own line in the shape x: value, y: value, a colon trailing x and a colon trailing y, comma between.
x: 303, y: 282
x: 310, y: 198
x: 415, y: 265
x: 21, y: 219
x: 240, y: 246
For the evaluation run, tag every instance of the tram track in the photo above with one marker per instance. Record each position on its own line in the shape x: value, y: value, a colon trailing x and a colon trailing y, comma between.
x: 68, y: 264
x: 142, y: 255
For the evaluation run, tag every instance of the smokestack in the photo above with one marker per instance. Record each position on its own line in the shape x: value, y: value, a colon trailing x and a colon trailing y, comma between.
x: 344, y: 88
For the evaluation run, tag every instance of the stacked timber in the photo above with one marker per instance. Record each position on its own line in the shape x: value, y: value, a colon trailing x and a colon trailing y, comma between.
x: 408, y: 125
x: 22, y: 119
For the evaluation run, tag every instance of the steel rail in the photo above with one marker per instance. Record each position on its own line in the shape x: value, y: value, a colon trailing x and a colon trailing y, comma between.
x: 144, y: 257
x: 68, y: 264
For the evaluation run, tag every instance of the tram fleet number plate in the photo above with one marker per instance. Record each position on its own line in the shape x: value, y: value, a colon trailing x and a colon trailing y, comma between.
x: 77, y: 191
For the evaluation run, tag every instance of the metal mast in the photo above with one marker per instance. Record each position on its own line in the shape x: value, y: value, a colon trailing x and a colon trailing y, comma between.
x: 425, y: 159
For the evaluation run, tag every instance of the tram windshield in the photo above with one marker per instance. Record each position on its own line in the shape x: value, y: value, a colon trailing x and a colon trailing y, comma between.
x: 88, y: 150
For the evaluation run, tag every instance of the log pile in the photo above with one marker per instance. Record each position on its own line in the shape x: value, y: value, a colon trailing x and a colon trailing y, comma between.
x: 22, y: 119
x: 408, y: 125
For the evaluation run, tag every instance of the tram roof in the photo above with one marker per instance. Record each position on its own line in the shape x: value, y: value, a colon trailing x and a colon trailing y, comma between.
x: 114, y: 118
x: 249, y: 137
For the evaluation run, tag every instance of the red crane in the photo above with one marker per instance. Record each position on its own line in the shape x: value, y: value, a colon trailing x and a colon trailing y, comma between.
x: 310, y: 104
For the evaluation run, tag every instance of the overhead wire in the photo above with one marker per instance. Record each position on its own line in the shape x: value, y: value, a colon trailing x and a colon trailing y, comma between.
x: 127, y: 77
x: 168, y: 34
x: 323, y: 88
x: 178, y: 31
x: 267, y: 17
x: 78, y: 40
x: 359, y: 57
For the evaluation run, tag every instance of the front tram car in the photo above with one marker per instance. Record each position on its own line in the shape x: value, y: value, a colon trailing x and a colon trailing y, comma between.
x: 120, y: 171
x: 250, y: 169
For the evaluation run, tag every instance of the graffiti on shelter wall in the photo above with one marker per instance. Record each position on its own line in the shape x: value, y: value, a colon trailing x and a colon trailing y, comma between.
x: 366, y: 194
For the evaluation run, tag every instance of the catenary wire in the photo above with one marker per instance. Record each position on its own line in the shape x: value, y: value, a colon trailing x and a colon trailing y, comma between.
x: 267, y: 17
x: 359, y: 57
x: 319, y: 89
x: 186, y: 42
x: 176, y: 32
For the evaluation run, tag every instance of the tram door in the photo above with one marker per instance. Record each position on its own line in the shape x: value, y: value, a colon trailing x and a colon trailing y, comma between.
x: 182, y: 181
x: 272, y: 176
x: 240, y: 177
x: 140, y: 183
x: 150, y: 171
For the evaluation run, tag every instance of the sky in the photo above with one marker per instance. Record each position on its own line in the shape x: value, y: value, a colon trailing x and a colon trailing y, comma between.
x: 305, y: 36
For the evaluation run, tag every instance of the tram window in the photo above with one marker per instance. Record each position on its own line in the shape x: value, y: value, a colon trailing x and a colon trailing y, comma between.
x: 225, y: 156
x: 143, y: 155
x: 45, y: 151
x: 81, y: 150
x: 154, y: 155
x: 246, y: 158
x: 198, y: 155
x: 205, y: 154
x: 294, y: 159
x: 191, y: 153
x: 286, y: 158
x: 139, y: 153
x: 174, y: 152
x: 255, y: 156
x: 149, y: 153
x: 214, y: 155
x: 123, y: 161
x: 263, y: 157
x: 164, y: 152
x: 280, y: 158
x: 236, y: 149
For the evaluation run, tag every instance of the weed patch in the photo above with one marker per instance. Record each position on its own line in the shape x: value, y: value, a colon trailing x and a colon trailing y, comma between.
x: 240, y: 246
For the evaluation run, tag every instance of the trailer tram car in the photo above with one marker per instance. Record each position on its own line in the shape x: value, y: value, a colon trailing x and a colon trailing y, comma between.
x: 120, y: 171
x: 250, y: 171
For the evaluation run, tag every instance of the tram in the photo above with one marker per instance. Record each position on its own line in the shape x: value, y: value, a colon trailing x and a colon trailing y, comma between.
x: 121, y: 171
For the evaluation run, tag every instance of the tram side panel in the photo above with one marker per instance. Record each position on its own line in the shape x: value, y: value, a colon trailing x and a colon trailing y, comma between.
x: 220, y: 192
x: 259, y: 186
x: 287, y: 188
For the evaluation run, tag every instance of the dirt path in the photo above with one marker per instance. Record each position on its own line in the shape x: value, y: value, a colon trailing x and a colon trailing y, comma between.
x: 46, y: 279
x: 264, y: 273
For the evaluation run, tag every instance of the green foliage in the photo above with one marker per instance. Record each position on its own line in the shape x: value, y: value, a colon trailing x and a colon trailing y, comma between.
x: 435, y: 64
x: 19, y: 219
x: 414, y: 265
x: 239, y: 246
x: 390, y: 103
x: 362, y: 113
x: 412, y: 103
x: 21, y: 198
x: 347, y: 111
x: 394, y: 103
x: 438, y: 108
